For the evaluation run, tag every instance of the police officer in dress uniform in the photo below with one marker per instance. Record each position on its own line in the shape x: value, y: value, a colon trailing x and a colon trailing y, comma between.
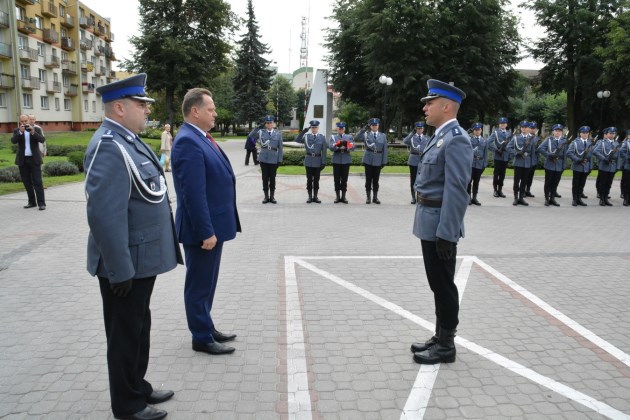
x: 480, y: 158
x: 374, y: 158
x: 416, y: 141
x: 624, y: 157
x: 554, y: 149
x: 131, y: 240
x: 607, y: 152
x: 497, y: 142
x: 269, y: 141
x: 521, y: 147
x: 315, y: 158
x: 533, y: 131
x: 580, y: 152
x: 443, y: 174
x: 341, y: 145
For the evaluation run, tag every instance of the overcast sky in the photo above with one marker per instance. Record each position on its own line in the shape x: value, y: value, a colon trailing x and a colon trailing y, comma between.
x: 280, y: 23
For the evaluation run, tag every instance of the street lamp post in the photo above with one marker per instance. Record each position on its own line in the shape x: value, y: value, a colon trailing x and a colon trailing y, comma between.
x: 385, y: 81
x: 277, y: 97
x: 602, y: 94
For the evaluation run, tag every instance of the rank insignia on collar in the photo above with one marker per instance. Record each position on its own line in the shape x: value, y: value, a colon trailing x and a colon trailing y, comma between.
x: 152, y: 186
x: 440, y: 142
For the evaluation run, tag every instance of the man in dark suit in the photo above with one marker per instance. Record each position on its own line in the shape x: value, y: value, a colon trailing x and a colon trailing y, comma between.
x: 131, y: 241
x: 29, y: 159
x: 443, y: 176
x: 206, y: 215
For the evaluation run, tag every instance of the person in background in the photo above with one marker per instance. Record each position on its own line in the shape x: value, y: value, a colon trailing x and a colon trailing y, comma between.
x: 521, y: 147
x: 580, y: 152
x: 607, y: 152
x: 269, y: 140
x: 341, y: 145
x: 43, y: 148
x: 624, y: 156
x: 497, y: 142
x: 165, y: 147
x: 554, y: 149
x: 29, y: 160
x: 374, y: 158
x: 416, y: 141
x: 315, y: 148
x: 480, y: 159
x: 250, y: 147
x: 533, y: 131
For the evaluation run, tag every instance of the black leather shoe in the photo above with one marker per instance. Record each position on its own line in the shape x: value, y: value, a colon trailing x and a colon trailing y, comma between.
x: 42, y: 207
x: 148, y: 413
x: 160, y: 396
x: 222, y: 338
x: 29, y: 205
x: 212, y: 348
x: 583, y: 195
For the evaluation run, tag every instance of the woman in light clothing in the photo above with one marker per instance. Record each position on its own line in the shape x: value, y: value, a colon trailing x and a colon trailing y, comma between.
x: 165, y: 148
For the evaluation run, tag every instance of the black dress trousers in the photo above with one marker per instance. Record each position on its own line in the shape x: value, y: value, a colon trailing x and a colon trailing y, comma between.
x: 441, y: 276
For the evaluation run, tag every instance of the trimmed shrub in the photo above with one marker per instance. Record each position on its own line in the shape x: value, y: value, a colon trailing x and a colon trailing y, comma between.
x: 77, y: 159
x: 152, y: 133
x: 10, y: 174
x: 64, y: 150
x: 60, y: 168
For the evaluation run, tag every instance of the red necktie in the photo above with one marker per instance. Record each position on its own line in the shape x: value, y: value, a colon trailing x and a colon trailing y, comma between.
x: 214, y: 143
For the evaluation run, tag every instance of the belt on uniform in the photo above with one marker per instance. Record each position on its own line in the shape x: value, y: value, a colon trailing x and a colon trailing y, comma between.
x: 427, y: 202
x: 375, y: 151
x: 275, y: 149
x: 314, y: 154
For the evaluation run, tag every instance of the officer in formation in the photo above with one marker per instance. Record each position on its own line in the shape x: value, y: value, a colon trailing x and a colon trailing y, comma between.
x: 497, y: 142
x: 554, y: 149
x: 607, y: 153
x: 269, y: 140
x: 624, y: 158
x: 416, y: 141
x: 480, y: 159
x: 533, y: 131
x: 374, y: 158
x: 522, y: 148
x: 341, y: 145
x: 580, y: 152
x: 315, y: 158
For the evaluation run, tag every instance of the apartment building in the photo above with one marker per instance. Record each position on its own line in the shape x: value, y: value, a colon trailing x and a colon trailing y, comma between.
x: 53, y: 55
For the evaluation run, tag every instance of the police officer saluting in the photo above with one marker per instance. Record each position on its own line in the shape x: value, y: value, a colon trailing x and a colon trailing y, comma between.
x: 497, y: 142
x: 315, y: 158
x: 374, y: 158
x: 417, y: 142
x: 480, y: 157
x: 555, y: 152
x: 341, y: 145
x: 270, y: 142
x: 580, y: 152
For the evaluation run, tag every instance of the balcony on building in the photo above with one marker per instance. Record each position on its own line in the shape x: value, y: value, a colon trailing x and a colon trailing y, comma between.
x: 4, y: 19
x: 68, y: 44
x: 86, y: 22
x: 7, y: 81
x: 5, y: 51
x: 50, y: 35
x: 85, y: 44
x: 72, y: 90
x: 26, y: 2
x: 49, y: 9
x: 67, y: 21
x: 111, y: 76
x: 31, y: 83
x: 99, y: 30
x: 109, y: 36
x: 53, y: 87
x: 88, y: 87
x: 99, y: 50
x: 26, y: 26
x: 28, y: 54
x: 52, y: 62
x: 68, y: 67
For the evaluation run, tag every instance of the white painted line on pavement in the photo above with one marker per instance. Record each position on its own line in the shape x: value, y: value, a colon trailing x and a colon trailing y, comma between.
x: 575, y: 326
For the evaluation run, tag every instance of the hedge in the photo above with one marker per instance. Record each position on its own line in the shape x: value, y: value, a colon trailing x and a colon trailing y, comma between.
x: 10, y: 174
x: 77, y: 159
x: 60, y: 168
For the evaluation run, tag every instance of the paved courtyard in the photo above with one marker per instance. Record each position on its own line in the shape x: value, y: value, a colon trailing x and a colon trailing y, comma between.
x: 326, y: 300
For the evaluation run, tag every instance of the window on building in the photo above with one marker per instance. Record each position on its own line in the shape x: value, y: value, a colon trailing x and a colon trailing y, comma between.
x: 94, y: 107
x: 57, y: 106
x: 22, y: 42
x: 43, y: 102
x: 86, y: 108
x: 64, y: 33
x: 20, y: 13
x: 27, y: 100
x: 62, y: 11
x: 43, y: 76
x: 64, y: 56
x: 41, y: 49
x: 3, y: 100
x: 67, y: 105
x: 66, y: 80
x: 55, y: 77
x: 39, y: 22
x: 25, y: 71
x: 54, y: 52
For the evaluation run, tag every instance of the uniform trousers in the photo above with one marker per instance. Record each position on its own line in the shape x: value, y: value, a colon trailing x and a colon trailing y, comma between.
x: 340, y: 174
x: 520, y: 178
x: 530, y: 177
x: 268, y: 175
x: 605, y: 182
x: 579, y: 181
x: 372, y: 175
x: 474, y: 181
x: 441, y: 276
x: 202, y: 274
x: 312, y: 177
x: 128, y: 330
x: 31, y: 174
x: 625, y: 178
x: 499, y: 173
x: 552, y: 180
x: 413, y: 174
x: 254, y: 154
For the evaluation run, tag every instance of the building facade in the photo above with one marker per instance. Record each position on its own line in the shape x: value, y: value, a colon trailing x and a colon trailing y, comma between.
x: 53, y: 55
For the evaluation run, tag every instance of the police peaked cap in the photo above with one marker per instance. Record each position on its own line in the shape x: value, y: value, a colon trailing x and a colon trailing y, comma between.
x: 477, y: 126
x: 419, y: 124
x: 438, y: 89
x: 131, y: 87
x: 341, y: 125
x: 314, y: 123
x: 524, y: 124
x: 268, y: 118
x: 584, y: 129
x: 532, y: 124
x: 610, y: 130
x: 503, y: 120
x: 557, y: 127
x: 374, y: 121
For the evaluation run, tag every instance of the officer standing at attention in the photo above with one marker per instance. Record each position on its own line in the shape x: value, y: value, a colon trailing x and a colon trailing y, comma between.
x: 341, y: 145
x: 607, y: 152
x: 315, y: 158
x: 131, y: 240
x: 270, y: 142
x: 580, y: 152
x: 374, y: 158
x: 624, y: 158
x: 521, y: 147
x: 533, y: 131
x: 480, y: 158
x: 497, y: 142
x: 554, y: 149
x: 443, y: 174
x: 417, y: 142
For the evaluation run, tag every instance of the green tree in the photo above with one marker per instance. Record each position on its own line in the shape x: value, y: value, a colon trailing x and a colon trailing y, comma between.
x: 253, y: 76
x: 352, y: 114
x: 183, y: 44
x: 223, y: 95
x: 282, y: 95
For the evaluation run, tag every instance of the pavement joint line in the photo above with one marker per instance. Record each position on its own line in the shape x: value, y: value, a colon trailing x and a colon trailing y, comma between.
x: 515, y: 367
x: 575, y: 326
